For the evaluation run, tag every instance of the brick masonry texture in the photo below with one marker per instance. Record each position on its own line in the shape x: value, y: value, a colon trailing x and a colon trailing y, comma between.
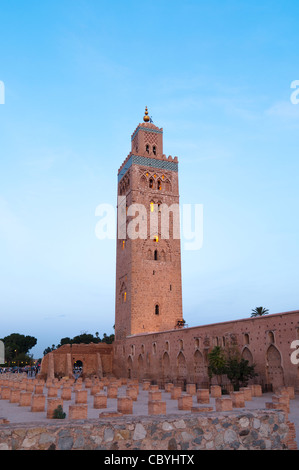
x: 259, y: 430
x: 181, y: 355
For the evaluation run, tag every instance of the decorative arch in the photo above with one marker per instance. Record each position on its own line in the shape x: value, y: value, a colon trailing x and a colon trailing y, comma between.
x: 181, y: 368
x: 166, y: 372
x: 130, y: 367
x: 200, y: 370
x: 274, y: 370
x: 140, y: 365
x: 247, y: 355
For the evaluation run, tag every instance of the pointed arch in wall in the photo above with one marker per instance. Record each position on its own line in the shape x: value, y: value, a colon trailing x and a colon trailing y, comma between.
x: 140, y: 365
x: 182, y: 372
x: 130, y: 367
x: 200, y: 370
x: 166, y: 367
x: 274, y: 370
x: 247, y: 355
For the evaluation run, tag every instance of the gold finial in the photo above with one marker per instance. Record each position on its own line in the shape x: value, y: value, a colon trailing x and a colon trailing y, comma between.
x: 146, y: 117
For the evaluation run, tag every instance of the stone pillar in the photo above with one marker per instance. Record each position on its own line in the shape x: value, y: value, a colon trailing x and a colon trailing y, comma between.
x: 157, y: 407
x: 125, y: 405
x: 100, y: 401
x: 25, y: 398
x: 52, y: 404
x: 79, y: 411
x: 81, y: 397
x: 203, y: 396
x: 224, y: 404
x: 185, y: 402
x: 216, y: 391
x: 38, y: 403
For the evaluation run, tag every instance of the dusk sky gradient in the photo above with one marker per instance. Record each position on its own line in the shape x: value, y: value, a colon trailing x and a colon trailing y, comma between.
x: 216, y: 75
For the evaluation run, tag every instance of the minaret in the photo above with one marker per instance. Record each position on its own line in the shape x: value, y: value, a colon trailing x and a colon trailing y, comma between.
x: 148, y: 264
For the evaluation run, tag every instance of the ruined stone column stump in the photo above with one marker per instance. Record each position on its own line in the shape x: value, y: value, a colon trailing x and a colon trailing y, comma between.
x: 78, y: 411
x: 154, y: 395
x: 157, y: 407
x: 38, y: 403
x: 66, y: 393
x: 247, y: 393
x: 39, y: 389
x: 224, y: 404
x: 14, y: 395
x: 256, y: 390
x: 95, y: 389
x: 216, y: 391
x: 52, y: 392
x: 52, y: 404
x: 112, y: 392
x: 125, y: 405
x: 203, y: 396
x: 185, y: 402
x: 176, y: 392
x: 191, y: 389
x: 81, y: 397
x: 25, y: 398
x: 146, y: 385
x: 5, y: 393
x: 238, y: 399
x: 132, y: 392
x: 168, y: 387
x: 99, y: 401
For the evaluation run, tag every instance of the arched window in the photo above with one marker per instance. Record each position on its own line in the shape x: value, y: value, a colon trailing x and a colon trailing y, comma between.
x: 151, y: 182
x: 154, y: 150
x: 157, y: 309
x: 147, y: 148
x: 156, y: 255
x: 159, y: 185
x: 271, y: 337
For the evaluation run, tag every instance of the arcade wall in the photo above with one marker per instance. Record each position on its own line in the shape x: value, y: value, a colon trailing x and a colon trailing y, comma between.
x: 181, y: 355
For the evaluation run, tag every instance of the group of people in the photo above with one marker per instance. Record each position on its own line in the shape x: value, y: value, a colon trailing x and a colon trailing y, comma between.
x: 31, y: 371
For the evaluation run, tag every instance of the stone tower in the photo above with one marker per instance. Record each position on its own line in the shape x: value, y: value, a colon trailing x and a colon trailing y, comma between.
x: 148, y: 264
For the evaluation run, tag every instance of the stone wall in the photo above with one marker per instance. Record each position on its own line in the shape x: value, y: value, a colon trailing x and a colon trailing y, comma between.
x: 97, y: 359
x: 181, y: 355
x: 257, y: 430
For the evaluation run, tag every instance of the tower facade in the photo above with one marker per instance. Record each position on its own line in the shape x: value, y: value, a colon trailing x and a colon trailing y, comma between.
x: 148, y: 264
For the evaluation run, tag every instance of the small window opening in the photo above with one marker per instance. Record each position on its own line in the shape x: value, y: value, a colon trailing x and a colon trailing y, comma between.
x: 151, y: 183
x: 154, y: 150
x: 156, y: 255
x: 157, y: 310
x: 147, y: 148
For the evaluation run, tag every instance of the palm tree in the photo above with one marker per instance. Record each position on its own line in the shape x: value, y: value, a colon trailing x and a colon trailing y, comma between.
x: 259, y: 312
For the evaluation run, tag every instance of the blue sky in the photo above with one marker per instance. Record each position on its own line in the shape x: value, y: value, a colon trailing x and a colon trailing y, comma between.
x: 216, y: 76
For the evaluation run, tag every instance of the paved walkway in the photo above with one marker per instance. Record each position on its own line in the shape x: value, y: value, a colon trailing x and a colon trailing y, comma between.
x: 16, y: 414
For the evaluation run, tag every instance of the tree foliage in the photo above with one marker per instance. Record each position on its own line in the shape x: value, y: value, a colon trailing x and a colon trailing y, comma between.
x: 84, y: 337
x: 259, y: 312
x: 229, y: 362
